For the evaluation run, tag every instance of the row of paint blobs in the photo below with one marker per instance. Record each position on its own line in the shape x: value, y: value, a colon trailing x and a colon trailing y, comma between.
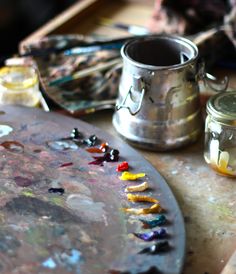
x: 158, y: 234
x: 112, y: 155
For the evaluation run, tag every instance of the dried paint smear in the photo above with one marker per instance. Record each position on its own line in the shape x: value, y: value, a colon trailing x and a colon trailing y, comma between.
x: 86, y: 208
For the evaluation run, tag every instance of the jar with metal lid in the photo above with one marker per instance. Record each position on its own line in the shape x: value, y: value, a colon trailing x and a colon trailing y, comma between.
x: 220, y: 133
x: 19, y: 85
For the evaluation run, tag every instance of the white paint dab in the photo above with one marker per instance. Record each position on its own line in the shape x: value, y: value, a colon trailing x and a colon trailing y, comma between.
x: 5, y: 130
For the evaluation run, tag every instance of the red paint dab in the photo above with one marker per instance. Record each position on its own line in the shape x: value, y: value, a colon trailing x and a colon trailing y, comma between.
x: 66, y: 164
x: 94, y: 150
x: 104, y: 147
x: 124, y: 166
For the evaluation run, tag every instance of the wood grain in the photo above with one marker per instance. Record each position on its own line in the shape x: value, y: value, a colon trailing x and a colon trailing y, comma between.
x: 230, y: 267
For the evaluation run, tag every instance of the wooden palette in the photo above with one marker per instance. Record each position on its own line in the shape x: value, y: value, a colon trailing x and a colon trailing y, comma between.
x: 83, y: 230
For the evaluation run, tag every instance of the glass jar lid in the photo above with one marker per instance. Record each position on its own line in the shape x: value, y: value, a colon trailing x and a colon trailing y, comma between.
x: 18, y: 77
x: 222, y: 107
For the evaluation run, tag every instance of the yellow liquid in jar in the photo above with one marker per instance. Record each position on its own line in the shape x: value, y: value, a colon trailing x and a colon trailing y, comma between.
x: 222, y: 162
x: 19, y: 86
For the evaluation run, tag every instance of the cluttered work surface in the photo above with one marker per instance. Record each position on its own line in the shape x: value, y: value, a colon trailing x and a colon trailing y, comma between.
x: 206, y: 199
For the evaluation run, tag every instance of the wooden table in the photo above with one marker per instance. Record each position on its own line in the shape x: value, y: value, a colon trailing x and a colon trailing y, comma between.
x: 207, y: 200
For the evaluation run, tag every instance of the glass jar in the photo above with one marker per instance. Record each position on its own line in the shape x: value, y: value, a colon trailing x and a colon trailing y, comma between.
x: 19, y: 85
x: 220, y: 133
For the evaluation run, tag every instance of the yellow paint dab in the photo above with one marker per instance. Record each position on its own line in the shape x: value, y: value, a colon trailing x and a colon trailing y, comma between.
x: 156, y: 208
x: 126, y: 176
x: 140, y: 198
x: 137, y: 188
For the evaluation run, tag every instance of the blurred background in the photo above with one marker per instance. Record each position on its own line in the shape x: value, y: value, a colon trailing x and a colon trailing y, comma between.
x: 19, y: 18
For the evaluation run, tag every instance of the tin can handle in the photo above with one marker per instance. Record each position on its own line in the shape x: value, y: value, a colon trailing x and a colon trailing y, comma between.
x: 211, y: 81
x: 138, y: 85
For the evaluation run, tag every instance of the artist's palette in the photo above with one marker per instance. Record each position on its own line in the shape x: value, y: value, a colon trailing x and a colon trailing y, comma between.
x: 83, y: 230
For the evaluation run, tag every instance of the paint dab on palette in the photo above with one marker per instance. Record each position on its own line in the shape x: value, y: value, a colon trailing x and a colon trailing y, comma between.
x: 141, y: 198
x: 62, y: 145
x: 104, y: 147
x: 66, y: 164
x: 91, y: 141
x: 58, y: 190
x: 86, y: 207
x: 13, y: 146
x: 49, y: 263
x: 68, y: 260
x: 137, y: 188
x: 157, y: 248
x: 94, y: 150
x: 5, y: 130
x: 75, y: 134
x: 156, y: 208
x: 112, y: 156
x: 74, y: 257
x: 24, y: 205
x: 159, y: 220
x: 37, y: 150
x: 128, y: 176
x: 28, y: 193
x: 152, y: 235
x: 22, y: 181
x: 124, y: 166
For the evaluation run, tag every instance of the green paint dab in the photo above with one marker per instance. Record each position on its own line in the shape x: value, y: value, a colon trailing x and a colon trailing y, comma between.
x: 57, y: 201
x: 28, y: 193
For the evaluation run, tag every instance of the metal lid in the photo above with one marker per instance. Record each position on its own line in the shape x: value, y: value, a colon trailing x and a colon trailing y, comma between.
x: 222, y: 107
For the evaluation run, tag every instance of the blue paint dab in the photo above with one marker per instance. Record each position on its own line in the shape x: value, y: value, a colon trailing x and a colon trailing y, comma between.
x: 49, y: 263
x: 159, y: 220
x: 74, y: 258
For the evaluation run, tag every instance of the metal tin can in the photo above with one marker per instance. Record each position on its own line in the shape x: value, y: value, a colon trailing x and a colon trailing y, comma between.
x: 220, y: 133
x: 19, y: 85
x: 158, y: 103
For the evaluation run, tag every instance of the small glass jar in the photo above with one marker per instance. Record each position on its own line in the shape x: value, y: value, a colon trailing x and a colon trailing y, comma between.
x: 220, y: 133
x: 19, y: 85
